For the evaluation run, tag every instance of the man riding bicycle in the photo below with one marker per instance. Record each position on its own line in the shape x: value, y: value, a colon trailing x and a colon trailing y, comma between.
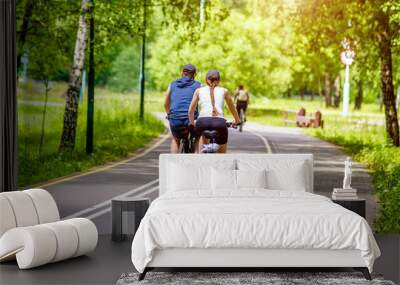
x: 177, y: 101
x: 242, y: 98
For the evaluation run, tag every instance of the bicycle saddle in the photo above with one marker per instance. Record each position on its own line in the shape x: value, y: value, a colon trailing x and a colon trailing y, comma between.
x: 210, y: 134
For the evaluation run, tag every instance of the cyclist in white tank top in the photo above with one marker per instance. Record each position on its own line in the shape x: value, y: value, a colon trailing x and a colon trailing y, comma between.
x: 211, y: 99
x: 205, y: 104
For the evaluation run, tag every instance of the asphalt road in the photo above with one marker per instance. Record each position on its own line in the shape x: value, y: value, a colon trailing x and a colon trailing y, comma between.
x: 89, y: 195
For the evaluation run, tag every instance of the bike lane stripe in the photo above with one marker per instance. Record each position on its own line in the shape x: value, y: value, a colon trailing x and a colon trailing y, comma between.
x: 108, y: 202
x: 108, y: 209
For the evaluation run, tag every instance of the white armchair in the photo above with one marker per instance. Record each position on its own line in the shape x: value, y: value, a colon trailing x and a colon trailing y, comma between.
x: 31, y: 230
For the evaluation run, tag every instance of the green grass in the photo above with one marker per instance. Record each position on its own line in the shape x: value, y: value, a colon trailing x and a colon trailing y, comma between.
x: 117, y: 133
x: 365, y: 143
x: 369, y: 146
x: 270, y: 111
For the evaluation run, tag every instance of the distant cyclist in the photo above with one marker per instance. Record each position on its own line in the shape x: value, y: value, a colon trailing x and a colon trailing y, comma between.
x: 211, y: 102
x: 177, y: 101
x: 242, y: 100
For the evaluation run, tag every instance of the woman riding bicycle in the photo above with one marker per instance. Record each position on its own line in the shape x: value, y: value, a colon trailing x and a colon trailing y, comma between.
x: 211, y: 99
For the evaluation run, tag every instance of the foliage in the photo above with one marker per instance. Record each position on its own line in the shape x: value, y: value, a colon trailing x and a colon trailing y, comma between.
x: 117, y: 133
x: 270, y: 111
x: 124, y: 71
x: 47, y: 36
x: 245, y: 46
x: 274, y: 47
x: 365, y: 143
x: 383, y: 160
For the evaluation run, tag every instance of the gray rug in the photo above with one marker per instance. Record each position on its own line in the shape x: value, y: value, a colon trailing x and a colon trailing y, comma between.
x: 243, y: 278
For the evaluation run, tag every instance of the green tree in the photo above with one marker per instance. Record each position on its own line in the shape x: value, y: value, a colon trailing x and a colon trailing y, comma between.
x: 124, y: 71
x: 114, y: 19
x: 249, y: 46
x: 75, y: 77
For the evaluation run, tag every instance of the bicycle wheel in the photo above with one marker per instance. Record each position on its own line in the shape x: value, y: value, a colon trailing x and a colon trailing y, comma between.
x: 182, y: 146
x: 241, y: 120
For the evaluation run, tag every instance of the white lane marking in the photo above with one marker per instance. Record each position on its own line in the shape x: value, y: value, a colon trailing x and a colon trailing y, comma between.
x: 265, y: 141
x: 108, y: 209
x: 99, y: 213
x: 108, y: 166
x: 108, y: 202
x: 147, y: 192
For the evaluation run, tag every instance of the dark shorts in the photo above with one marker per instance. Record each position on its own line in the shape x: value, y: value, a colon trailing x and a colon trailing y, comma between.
x: 179, y: 127
x: 211, y: 124
x: 241, y: 105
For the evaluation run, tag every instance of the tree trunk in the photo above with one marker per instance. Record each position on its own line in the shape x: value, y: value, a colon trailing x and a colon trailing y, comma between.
x: 75, y: 77
x: 24, y: 31
x: 389, y: 100
x: 327, y: 90
x: 46, y: 100
x: 359, y: 97
x: 336, y: 91
x: 302, y: 94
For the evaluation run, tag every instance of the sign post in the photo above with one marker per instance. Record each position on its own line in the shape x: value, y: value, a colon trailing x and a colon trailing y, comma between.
x: 91, y: 78
x: 347, y: 58
x: 142, y: 64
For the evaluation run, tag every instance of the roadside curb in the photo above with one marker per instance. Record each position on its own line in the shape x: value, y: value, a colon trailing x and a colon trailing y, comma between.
x: 132, y: 156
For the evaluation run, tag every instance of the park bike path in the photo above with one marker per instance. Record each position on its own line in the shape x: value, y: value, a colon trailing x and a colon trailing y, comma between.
x: 89, y: 195
x: 328, y: 162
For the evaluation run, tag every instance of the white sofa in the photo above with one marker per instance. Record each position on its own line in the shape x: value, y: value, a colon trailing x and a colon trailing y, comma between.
x: 31, y: 231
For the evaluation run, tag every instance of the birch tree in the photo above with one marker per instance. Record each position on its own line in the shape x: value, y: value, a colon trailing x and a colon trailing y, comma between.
x: 72, y: 94
x: 114, y: 18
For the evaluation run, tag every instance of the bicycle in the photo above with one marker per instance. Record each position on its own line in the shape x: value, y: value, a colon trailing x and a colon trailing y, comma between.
x: 211, y: 135
x: 242, y: 114
x: 188, y: 139
x: 242, y: 119
x: 187, y: 142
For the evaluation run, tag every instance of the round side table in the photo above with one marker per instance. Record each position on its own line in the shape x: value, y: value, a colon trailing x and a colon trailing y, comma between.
x: 126, y: 216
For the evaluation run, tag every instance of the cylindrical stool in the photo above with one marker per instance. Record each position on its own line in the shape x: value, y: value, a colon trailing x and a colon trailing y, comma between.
x: 126, y: 213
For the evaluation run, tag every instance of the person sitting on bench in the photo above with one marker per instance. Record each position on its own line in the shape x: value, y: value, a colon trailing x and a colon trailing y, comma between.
x: 300, y: 118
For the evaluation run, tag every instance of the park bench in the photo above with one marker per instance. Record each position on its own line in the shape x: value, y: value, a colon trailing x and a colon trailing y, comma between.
x: 301, y: 120
x: 286, y: 119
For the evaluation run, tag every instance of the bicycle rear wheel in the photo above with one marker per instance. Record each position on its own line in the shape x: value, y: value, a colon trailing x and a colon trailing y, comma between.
x: 241, y: 120
x: 184, y: 146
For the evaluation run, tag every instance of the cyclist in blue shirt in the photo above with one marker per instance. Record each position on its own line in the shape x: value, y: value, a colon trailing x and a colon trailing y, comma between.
x: 177, y: 101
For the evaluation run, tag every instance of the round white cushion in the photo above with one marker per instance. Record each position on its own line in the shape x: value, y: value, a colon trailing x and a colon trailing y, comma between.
x: 46, y: 207
x: 7, y: 218
x: 67, y: 240
x: 87, y: 233
x: 23, y: 208
x: 37, y: 245
x: 33, y: 246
